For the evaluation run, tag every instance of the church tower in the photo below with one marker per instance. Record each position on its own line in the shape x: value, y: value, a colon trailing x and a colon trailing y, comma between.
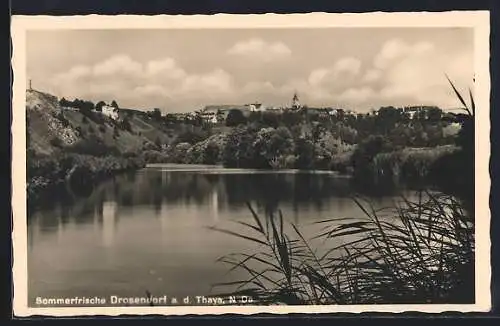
x: 295, y: 101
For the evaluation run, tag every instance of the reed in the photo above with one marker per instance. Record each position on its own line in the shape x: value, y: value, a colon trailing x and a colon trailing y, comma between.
x: 419, y: 251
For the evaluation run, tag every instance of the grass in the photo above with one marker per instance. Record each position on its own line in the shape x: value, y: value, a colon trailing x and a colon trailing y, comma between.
x: 409, y: 164
x: 415, y: 252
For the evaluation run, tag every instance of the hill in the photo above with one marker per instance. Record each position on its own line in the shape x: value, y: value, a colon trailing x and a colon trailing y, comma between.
x: 77, y: 148
x: 52, y: 129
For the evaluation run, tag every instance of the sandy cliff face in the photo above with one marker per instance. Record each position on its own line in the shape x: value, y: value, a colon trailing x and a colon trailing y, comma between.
x: 43, y: 126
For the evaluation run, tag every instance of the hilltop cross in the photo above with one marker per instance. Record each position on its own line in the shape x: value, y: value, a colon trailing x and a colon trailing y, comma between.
x: 30, y: 85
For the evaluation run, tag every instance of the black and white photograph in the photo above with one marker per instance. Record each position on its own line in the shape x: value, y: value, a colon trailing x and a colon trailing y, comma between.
x: 264, y: 163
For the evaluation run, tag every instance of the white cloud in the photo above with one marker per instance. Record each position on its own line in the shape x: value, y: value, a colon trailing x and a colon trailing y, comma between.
x: 210, y: 84
x: 122, y: 77
x: 372, y: 75
x: 357, y: 95
x: 116, y: 65
x: 322, y: 81
x: 317, y: 76
x: 396, y: 49
x: 258, y: 48
x: 167, y: 67
x: 258, y: 87
x: 75, y: 73
x: 348, y: 65
x: 418, y: 71
x: 146, y: 90
x: 400, y: 73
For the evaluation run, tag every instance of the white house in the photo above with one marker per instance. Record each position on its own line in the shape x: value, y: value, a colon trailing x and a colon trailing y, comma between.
x: 110, y: 111
x: 209, y: 116
x: 256, y: 107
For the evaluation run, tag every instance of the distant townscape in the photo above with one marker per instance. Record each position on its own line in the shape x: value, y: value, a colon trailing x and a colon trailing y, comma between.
x: 218, y: 113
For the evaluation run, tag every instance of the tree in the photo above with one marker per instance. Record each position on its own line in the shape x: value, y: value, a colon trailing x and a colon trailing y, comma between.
x: 387, y: 118
x: 99, y: 105
x: 114, y: 104
x: 291, y: 118
x: 211, y: 153
x: 362, y: 158
x: 126, y: 124
x: 235, y: 117
x: 191, y: 136
x: 156, y: 115
x: 170, y: 118
x: 270, y: 119
x: 272, y: 144
x: 64, y: 102
x: 304, y: 150
x: 158, y: 142
x: 434, y: 114
x: 239, y: 150
x: 255, y: 116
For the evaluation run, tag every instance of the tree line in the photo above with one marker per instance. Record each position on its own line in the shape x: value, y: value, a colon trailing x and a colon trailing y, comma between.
x: 85, y: 105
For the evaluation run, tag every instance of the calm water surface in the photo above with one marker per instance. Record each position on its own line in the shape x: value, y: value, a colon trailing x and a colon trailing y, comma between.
x: 147, y: 231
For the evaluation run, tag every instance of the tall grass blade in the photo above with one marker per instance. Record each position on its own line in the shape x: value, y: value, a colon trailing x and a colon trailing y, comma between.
x: 459, y: 96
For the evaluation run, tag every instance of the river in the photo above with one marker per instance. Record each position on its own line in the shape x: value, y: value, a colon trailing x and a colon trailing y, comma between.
x: 148, y: 230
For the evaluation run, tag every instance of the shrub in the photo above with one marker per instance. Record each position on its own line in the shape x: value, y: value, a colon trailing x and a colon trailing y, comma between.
x: 125, y: 124
x: 235, y: 117
x: 179, y: 153
x: 191, y: 136
x: 271, y: 146
x: 56, y: 142
x: 239, y: 150
x: 362, y: 158
x: 208, y: 151
x: 304, y: 152
x: 153, y: 156
x: 65, y: 122
x: 92, y: 146
x: 211, y: 154
x: 408, y: 165
x: 116, y: 132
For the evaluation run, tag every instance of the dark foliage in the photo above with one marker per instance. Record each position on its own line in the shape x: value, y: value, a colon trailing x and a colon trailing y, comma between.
x: 235, y: 117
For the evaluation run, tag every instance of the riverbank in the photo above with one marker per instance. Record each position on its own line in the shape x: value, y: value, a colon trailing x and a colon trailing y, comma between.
x: 77, y: 173
x: 220, y: 169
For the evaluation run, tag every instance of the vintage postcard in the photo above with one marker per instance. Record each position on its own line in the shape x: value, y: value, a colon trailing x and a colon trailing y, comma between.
x: 299, y: 163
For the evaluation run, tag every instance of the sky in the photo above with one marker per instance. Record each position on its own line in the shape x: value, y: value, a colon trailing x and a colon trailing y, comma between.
x: 180, y: 70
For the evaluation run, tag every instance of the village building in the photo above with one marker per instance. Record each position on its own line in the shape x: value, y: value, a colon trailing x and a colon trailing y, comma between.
x: 256, y: 107
x: 219, y: 113
x: 110, y: 111
x: 421, y: 110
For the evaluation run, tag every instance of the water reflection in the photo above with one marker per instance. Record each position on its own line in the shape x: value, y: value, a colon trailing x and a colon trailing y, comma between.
x: 215, y: 193
x: 109, y: 222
